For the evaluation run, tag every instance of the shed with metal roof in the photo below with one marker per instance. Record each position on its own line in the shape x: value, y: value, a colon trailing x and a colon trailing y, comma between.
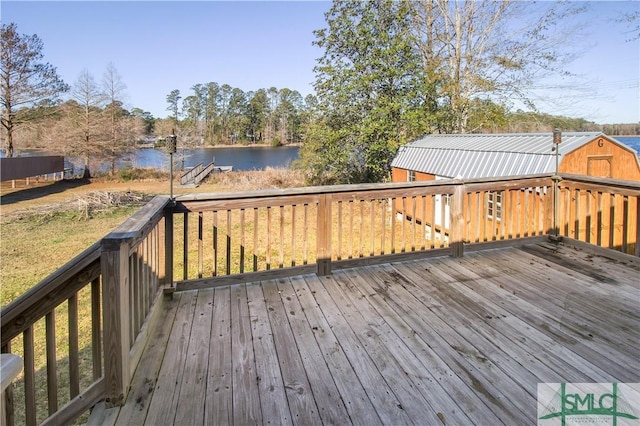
x: 515, y: 154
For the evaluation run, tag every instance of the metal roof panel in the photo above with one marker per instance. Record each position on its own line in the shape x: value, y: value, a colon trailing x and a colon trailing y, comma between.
x: 487, y: 155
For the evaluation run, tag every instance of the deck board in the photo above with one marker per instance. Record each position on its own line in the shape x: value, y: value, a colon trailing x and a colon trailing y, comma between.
x: 246, y: 394
x: 330, y: 405
x: 434, y: 341
x: 296, y: 384
x: 219, y: 399
x: 273, y: 398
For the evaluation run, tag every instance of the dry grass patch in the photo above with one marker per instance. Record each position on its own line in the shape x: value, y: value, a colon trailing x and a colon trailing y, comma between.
x: 270, y: 178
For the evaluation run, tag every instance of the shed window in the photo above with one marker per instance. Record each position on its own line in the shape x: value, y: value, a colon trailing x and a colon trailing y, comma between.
x: 494, y: 205
x: 411, y: 176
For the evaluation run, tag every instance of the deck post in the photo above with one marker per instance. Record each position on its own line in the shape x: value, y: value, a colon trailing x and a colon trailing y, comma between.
x: 115, y: 301
x: 456, y: 234
x: 323, y: 238
x: 168, y: 245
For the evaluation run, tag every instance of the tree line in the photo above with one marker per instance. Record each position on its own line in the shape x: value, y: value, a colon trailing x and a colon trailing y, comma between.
x: 215, y: 114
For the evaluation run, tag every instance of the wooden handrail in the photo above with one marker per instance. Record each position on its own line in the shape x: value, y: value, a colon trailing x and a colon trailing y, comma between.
x: 190, y: 174
x: 138, y: 244
x: 18, y: 315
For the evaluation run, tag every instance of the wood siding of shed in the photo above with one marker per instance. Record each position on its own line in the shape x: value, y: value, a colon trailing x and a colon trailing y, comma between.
x: 594, y: 160
x: 400, y: 175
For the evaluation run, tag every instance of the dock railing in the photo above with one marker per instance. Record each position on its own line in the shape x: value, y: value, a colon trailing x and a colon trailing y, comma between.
x: 205, y: 240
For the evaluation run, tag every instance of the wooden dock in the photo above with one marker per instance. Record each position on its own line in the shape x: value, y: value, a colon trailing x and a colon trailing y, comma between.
x: 455, y: 341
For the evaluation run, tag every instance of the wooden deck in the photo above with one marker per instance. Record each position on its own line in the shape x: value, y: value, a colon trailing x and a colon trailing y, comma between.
x: 446, y: 340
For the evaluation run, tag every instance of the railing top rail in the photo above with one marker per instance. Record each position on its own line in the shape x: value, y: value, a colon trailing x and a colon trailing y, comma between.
x: 140, y: 224
x: 338, y: 189
x: 602, y: 182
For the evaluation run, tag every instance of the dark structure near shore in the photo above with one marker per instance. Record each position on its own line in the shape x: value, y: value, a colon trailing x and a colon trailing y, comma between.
x: 26, y: 167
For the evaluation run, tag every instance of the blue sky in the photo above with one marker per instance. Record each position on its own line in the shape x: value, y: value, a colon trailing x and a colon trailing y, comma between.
x: 158, y: 46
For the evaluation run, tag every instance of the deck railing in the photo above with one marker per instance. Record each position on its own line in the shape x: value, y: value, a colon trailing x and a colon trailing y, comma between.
x: 234, y: 237
x: 600, y: 212
x: 204, y: 240
x: 113, y: 286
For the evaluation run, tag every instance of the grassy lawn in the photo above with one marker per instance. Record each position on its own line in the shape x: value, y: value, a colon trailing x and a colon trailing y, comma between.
x: 34, y: 247
x: 30, y: 249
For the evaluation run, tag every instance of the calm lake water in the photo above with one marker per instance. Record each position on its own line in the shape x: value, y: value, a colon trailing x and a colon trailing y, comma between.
x: 246, y: 158
x: 630, y: 141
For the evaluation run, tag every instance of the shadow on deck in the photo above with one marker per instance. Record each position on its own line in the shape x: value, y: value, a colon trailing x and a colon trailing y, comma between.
x: 435, y: 341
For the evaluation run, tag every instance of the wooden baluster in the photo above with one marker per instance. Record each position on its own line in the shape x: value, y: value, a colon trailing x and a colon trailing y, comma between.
x: 567, y: 211
x: 443, y: 224
x: 361, y: 244
x: 185, y: 247
x: 29, y: 377
x: 413, y: 221
x: 228, y: 247
x: 372, y: 233
x: 323, y: 238
x: 306, y: 234
x: 423, y: 227
x: 404, y: 219
x: 281, y: 225
x: 339, y: 219
x: 145, y: 278
x: 625, y: 223
x: 215, y: 243
x: 456, y: 234
x: 96, y: 331
x: 383, y: 227
x: 433, y: 221
x: 255, y: 239
x: 268, y: 238
x: 74, y: 356
x: 200, y: 247
x: 599, y: 219
x: 133, y: 264
x: 242, y: 240
x: 293, y: 236
x: 494, y: 219
x: 351, y: 229
x: 479, y: 216
x: 612, y: 220
x: 52, y: 362
x: 589, y: 216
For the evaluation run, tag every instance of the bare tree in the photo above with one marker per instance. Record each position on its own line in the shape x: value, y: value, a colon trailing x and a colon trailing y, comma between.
x: 86, y: 92
x: 120, y: 137
x: 25, y: 81
x: 488, y: 50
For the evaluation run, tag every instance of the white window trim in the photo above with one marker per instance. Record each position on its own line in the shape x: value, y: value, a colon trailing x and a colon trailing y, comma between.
x: 494, y: 203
